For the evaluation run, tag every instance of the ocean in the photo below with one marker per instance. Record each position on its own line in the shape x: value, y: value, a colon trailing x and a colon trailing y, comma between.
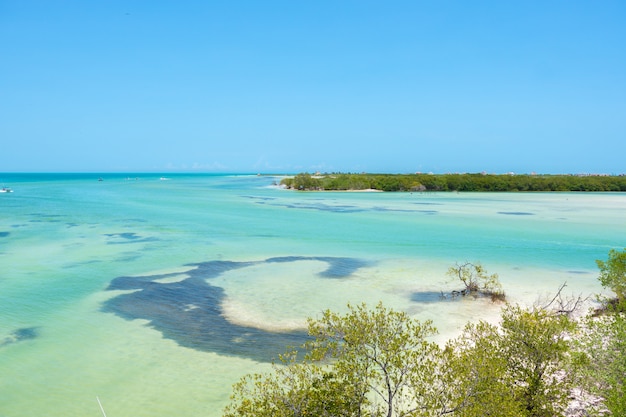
x: 156, y: 293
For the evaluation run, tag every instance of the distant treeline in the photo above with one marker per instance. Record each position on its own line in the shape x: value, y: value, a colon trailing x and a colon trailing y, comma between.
x: 455, y: 182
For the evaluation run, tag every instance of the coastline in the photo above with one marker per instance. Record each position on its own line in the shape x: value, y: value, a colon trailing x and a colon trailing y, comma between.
x: 71, y: 239
x: 456, y: 182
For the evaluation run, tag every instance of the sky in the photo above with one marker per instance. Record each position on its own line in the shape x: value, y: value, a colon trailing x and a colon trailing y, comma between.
x: 304, y: 86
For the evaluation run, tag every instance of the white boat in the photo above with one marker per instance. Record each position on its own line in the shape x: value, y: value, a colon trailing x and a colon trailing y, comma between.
x: 6, y: 190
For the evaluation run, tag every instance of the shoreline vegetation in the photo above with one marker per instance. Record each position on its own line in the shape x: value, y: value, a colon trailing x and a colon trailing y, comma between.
x: 551, y: 359
x: 478, y: 182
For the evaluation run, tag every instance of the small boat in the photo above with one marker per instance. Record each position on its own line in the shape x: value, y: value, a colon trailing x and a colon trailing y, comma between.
x: 6, y: 190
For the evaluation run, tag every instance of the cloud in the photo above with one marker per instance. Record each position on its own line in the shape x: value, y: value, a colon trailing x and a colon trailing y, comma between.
x: 196, y: 166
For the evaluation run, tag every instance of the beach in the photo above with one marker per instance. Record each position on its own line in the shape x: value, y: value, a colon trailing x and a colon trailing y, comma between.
x: 156, y: 296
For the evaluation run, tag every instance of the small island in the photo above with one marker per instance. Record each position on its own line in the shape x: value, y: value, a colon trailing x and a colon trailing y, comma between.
x: 478, y: 182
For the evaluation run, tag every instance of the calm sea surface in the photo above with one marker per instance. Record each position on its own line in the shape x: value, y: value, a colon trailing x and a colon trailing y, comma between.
x: 156, y: 295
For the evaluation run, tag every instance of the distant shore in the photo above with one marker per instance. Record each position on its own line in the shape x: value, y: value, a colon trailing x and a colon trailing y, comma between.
x: 455, y: 182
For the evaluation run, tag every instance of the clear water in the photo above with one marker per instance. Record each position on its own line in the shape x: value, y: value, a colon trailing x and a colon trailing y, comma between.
x: 157, y: 295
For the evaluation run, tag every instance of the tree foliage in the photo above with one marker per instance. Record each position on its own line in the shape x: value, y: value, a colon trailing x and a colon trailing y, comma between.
x: 382, y: 363
x: 476, y: 280
x: 294, y: 389
x: 613, y: 274
x: 383, y: 352
x: 477, y: 368
x: 365, y: 363
x: 537, y: 347
x: 455, y: 182
x: 304, y: 182
x: 602, y: 341
x: 602, y: 349
x: 514, y: 369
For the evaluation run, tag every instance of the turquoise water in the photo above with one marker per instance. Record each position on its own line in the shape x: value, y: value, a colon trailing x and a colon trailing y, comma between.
x: 157, y: 295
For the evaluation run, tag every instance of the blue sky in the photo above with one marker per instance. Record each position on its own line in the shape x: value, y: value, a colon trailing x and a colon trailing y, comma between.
x: 291, y: 86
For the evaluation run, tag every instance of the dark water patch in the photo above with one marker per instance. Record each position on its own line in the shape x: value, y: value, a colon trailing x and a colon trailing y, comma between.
x: 44, y: 221
x: 337, y: 267
x: 432, y: 297
x: 344, y: 208
x: 4, y: 234
x: 45, y: 215
x: 137, y: 282
x: 19, y: 335
x: 128, y: 237
x: 397, y: 210
x: 341, y: 267
x: 428, y: 204
x: 213, y: 269
x: 254, y: 197
x: 325, y: 207
x: 26, y: 333
x: 71, y: 225
x: 351, y: 208
x: 45, y: 218
x: 189, y: 311
x: 129, y: 257
x: 516, y: 213
x: 387, y: 209
x: 82, y: 264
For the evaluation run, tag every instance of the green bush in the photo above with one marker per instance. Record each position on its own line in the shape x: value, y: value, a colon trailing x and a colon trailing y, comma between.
x: 613, y: 275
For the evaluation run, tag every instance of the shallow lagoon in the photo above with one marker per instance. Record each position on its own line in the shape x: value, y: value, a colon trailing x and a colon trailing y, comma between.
x: 157, y: 295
